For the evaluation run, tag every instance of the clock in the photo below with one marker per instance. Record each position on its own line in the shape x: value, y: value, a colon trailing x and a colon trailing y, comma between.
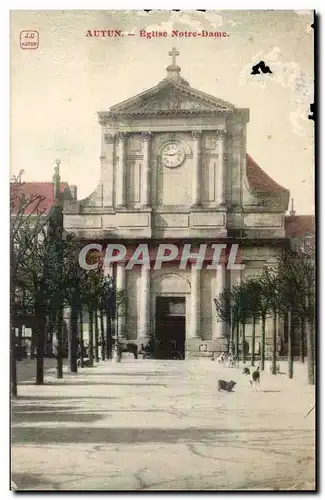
x: 172, y: 155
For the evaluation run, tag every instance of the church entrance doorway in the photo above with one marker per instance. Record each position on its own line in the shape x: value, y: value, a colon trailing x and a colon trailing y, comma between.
x: 170, y: 328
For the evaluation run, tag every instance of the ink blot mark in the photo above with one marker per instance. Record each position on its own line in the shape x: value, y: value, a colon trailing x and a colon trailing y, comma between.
x: 312, y: 26
x: 312, y: 112
x: 147, y: 10
x: 260, y: 66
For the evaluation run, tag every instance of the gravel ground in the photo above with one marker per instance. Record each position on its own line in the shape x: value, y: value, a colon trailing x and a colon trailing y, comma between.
x: 162, y: 425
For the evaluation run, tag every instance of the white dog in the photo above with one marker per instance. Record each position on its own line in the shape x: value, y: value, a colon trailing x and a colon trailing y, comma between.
x: 233, y: 361
x: 255, y: 379
x: 221, y: 358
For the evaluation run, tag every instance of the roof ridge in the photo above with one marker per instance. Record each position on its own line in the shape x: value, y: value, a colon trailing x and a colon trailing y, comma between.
x: 40, y: 182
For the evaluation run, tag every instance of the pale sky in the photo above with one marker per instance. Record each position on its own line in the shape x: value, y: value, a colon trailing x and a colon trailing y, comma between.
x: 57, y: 89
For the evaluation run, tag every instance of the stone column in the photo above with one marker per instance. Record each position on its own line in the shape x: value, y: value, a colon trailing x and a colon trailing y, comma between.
x: 144, y: 313
x: 195, y: 302
x: 221, y: 177
x: 196, y: 192
x: 146, y: 171
x: 121, y: 172
x: 219, y: 327
x: 120, y: 285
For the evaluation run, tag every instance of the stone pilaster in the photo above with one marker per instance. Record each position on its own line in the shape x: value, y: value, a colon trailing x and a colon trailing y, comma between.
x: 196, y: 189
x: 195, y: 330
x: 107, y: 168
x: 146, y: 170
x: 236, y: 152
x: 144, y: 313
x: 121, y: 311
x: 121, y: 171
x: 221, y: 168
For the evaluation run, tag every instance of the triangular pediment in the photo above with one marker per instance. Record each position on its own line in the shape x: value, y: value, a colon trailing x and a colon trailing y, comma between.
x: 171, y: 98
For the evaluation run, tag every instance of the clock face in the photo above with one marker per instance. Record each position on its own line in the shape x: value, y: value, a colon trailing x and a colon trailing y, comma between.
x: 172, y: 155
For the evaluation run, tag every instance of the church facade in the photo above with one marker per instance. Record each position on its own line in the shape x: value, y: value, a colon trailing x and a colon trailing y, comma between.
x: 175, y: 170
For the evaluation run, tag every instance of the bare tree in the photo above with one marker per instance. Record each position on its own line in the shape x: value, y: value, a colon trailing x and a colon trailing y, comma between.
x: 27, y: 220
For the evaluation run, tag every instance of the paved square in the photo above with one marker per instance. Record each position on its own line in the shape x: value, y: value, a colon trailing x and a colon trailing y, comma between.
x: 162, y: 425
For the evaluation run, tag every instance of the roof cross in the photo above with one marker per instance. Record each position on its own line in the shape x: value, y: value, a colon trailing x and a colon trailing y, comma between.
x: 173, y: 54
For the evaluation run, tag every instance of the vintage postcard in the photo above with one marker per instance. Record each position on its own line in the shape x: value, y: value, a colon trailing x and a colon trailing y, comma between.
x: 162, y: 232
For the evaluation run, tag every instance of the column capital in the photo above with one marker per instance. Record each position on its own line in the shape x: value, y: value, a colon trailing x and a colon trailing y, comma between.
x: 122, y: 136
x: 220, y: 134
x: 146, y: 135
x: 109, y: 138
x: 196, y: 134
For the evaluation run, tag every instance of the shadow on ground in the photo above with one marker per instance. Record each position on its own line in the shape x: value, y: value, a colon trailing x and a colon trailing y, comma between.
x: 146, y: 435
x: 86, y: 382
x: 60, y: 398
x: 271, y: 390
x: 55, y: 416
x: 32, y: 481
x: 135, y: 374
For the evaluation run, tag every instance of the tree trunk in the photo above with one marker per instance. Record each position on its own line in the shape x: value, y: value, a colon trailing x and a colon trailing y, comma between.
x: 237, y: 340
x: 274, y: 345
x: 13, y: 362
x: 243, y: 354
x: 33, y: 341
x: 91, y: 337
x: 302, y: 339
x: 59, y: 357
x: 81, y: 338
x: 40, y: 326
x: 290, y: 344
x: 102, y: 335
x: 310, y: 353
x: 51, y: 325
x: 73, y: 335
x: 262, y: 364
x: 231, y: 338
x: 253, y: 342
x: 12, y: 332
x: 108, y: 336
x: 20, y: 335
x: 96, y: 336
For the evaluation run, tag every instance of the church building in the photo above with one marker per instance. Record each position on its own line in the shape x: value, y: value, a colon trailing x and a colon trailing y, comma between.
x: 175, y: 170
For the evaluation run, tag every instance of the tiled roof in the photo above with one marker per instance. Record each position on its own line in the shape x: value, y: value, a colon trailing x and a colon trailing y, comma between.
x: 41, y: 189
x: 299, y: 226
x: 260, y: 181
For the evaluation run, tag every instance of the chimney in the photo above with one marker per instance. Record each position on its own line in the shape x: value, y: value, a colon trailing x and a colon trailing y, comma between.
x: 292, y: 211
x: 74, y: 192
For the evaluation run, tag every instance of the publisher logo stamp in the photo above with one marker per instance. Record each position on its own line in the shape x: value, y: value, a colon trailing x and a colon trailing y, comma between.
x: 29, y: 39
